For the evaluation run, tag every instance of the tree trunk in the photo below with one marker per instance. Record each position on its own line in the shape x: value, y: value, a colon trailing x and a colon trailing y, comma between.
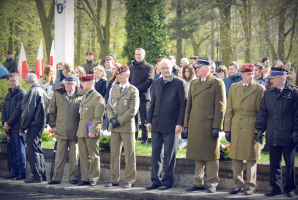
x: 194, y: 44
x: 79, y: 39
x: 179, y: 35
x: 10, y: 44
x: 46, y: 23
x: 281, y: 35
x: 246, y: 21
x: 225, y: 30
x: 212, y: 41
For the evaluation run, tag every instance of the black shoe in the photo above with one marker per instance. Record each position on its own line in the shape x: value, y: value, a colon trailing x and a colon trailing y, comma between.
x: 44, y: 178
x: 194, y: 188
x: 20, y: 177
x: 127, y: 185
x: 11, y: 176
x: 248, y: 192
x: 52, y: 182
x: 82, y: 183
x: 33, y: 180
x: 235, y: 191
x: 152, y: 186
x: 291, y: 194
x: 110, y: 184
x: 164, y: 187
x: 272, y: 193
x: 73, y: 182
x: 93, y: 183
x: 211, y: 189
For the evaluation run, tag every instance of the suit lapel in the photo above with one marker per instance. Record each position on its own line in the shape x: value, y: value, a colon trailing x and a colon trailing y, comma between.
x: 85, y: 100
x: 200, y: 87
x: 251, y: 88
x: 124, y: 91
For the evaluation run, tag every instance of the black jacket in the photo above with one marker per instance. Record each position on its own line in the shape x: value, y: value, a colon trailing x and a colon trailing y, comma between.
x: 101, y: 86
x: 278, y: 115
x: 168, y: 103
x: 175, y: 68
x: 141, y: 76
x: 35, y: 108
x: 12, y: 108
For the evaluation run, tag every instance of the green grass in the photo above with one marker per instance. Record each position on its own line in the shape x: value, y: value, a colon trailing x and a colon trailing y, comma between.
x: 48, y: 144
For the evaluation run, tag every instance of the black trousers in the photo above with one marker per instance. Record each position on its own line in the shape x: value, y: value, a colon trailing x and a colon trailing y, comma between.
x: 275, y: 155
x: 35, y: 153
x: 170, y: 141
x: 143, y: 114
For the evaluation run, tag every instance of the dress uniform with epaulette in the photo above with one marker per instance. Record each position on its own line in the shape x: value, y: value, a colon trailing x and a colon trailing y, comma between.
x: 240, y: 127
x: 91, y: 116
x: 122, y: 107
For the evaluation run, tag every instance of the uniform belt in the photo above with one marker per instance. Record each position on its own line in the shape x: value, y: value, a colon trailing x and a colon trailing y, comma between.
x: 242, y: 113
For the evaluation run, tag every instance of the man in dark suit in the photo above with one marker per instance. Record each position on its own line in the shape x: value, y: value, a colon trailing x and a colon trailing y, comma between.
x: 165, y: 121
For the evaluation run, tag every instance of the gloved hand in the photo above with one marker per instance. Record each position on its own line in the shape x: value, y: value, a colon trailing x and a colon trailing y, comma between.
x: 215, y: 133
x: 260, y: 137
x: 295, y: 137
x: 114, y: 122
x: 184, y: 134
x: 228, y: 136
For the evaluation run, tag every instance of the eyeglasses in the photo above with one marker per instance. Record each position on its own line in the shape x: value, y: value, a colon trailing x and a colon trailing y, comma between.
x: 164, y: 68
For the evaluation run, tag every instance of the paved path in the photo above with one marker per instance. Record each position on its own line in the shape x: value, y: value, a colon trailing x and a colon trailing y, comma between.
x: 61, y: 191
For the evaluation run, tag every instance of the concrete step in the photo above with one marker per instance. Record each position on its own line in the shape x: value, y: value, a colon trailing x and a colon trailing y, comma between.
x: 65, y: 188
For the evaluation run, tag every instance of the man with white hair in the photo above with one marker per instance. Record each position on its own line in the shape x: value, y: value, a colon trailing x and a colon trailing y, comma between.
x: 34, y: 115
x: 165, y: 121
x: 183, y: 62
x: 64, y: 118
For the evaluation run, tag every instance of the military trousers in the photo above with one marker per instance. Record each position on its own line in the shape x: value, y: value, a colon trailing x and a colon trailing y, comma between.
x: 212, y: 167
x: 128, y: 141
x: 62, y: 149
x: 89, y: 158
x: 251, y: 174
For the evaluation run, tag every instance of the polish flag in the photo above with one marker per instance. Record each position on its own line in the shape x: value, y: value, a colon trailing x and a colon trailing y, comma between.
x: 39, y: 62
x: 23, y: 69
x: 52, y: 60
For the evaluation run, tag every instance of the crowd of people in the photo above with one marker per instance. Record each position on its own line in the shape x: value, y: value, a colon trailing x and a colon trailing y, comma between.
x: 196, y: 100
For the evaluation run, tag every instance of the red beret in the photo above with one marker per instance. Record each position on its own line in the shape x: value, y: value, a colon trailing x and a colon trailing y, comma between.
x: 107, y: 58
x: 87, y: 77
x: 90, y: 53
x: 9, y: 52
x: 247, y: 67
x: 122, y: 69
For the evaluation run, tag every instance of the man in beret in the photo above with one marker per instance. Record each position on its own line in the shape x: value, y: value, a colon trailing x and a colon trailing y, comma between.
x: 242, y: 108
x: 278, y: 117
x: 122, y: 107
x: 204, y: 115
x: 64, y: 117
x: 109, y: 62
x: 89, y: 130
x: 88, y: 66
x: 10, y: 64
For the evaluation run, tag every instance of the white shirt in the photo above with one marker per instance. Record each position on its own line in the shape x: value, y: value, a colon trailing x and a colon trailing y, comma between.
x: 281, y: 89
x: 202, y: 80
x: 244, y: 84
x: 123, y: 86
x: 70, y: 94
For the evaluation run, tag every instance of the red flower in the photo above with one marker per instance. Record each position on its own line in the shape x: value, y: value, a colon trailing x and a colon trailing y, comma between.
x: 5, y: 133
x: 53, y: 136
x: 228, y: 146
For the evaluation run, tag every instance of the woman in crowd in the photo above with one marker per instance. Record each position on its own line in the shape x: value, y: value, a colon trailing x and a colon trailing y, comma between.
x: 222, y: 72
x: 266, y: 66
x: 179, y: 73
x: 80, y: 71
x: 259, y: 74
x: 59, y: 75
x: 67, y: 71
x: 188, y: 74
x: 46, y: 82
x: 101, y: 82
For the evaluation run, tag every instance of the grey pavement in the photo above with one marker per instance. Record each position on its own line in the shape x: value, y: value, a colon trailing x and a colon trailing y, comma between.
x: 67, y: 191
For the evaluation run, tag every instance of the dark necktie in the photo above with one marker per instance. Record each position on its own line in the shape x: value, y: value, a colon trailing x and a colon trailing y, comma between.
x: 277, y: 90
x: 245, y: 88
x: 121, y: 89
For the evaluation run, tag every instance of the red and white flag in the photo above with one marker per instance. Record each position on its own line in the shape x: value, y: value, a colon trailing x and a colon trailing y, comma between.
x: 52, y: 60
x: 39, y: 62
x: 23, y: 69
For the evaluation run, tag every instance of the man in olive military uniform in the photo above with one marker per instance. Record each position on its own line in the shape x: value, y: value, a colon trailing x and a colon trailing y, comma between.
x: 240, y: 127
x: 122, y: 107
x: 91, y: 115
x: 204, y: 115
x: 10, y: 64
x: 109, y: 62
x: 88, y: 66
x: 64, y: 117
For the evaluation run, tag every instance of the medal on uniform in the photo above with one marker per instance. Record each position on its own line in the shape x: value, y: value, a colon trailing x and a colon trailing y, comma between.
x: 125, y: 102
x: 86, y: 108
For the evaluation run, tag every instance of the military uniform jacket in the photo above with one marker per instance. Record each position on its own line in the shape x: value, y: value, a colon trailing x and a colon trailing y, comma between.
x: 11, y: 65
x: 240, y: 120
x: 205, y: 110
x: 123, y: 106
x: 91, y: 110
x: 109, y: 74
x: 88, y: 66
